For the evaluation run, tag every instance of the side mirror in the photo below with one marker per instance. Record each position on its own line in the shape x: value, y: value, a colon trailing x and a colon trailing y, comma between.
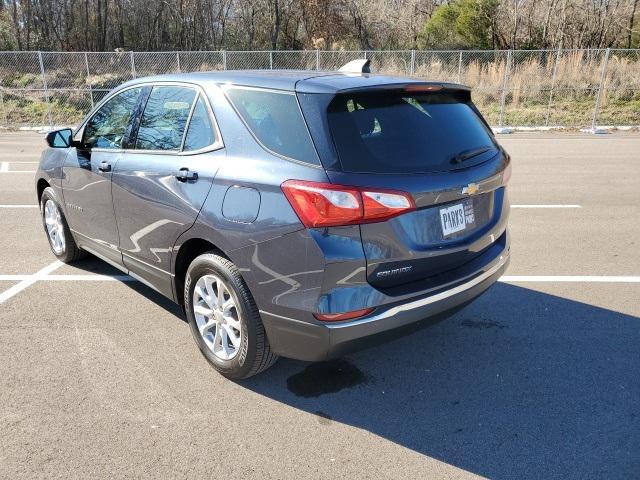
x: 59, y: 138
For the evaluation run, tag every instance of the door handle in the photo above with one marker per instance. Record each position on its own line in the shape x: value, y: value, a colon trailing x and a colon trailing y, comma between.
x: 184, y: 175
x: 104, y: 166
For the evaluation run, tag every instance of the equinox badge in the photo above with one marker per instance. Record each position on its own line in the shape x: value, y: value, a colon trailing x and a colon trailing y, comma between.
x: 394, y: 271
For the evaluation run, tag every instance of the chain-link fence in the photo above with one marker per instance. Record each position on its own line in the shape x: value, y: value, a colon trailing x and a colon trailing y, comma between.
x: 573, y: 88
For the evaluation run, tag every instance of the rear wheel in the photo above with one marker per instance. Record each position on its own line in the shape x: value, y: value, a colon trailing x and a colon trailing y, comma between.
x: 55, y: 225
x: 224, y: 318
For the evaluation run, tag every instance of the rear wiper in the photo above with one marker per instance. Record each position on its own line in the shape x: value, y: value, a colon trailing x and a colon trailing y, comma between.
x: 467, y: 154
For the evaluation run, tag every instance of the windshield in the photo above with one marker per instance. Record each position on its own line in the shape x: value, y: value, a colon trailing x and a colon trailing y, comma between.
x: 401, y: 132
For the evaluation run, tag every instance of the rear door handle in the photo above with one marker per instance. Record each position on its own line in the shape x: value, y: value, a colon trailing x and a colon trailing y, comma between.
x: 184, y: 175
x: 104, y: 166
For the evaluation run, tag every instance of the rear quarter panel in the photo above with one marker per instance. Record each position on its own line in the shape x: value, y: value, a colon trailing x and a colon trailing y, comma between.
x: 225, y: 221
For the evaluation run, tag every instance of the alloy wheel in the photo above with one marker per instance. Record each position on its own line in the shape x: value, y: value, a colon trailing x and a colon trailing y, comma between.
x: 217, y: 317
x: 55, y: 228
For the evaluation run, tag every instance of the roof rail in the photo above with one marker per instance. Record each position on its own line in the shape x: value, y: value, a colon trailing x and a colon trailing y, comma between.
x: 360, y: 65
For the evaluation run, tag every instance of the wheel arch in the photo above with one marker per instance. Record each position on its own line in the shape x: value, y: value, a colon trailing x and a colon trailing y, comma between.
x: 41, y: 184
x: 187, y: 252
x: 203, y: 237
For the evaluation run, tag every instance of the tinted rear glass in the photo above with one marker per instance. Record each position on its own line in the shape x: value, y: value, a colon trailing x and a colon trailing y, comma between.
x: 200, y: 131
x: 275, y: 120
x: 398, y: 132
x: 164, y: 118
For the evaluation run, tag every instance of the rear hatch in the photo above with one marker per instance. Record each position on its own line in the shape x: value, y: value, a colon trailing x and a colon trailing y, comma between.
x: 430, y: 141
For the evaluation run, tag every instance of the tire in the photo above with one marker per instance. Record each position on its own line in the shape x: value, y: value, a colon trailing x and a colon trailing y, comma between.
x: 66, y: 251
x: 234, y: 340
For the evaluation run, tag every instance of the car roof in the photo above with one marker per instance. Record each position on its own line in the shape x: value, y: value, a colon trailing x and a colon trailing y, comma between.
x: 304, y: 81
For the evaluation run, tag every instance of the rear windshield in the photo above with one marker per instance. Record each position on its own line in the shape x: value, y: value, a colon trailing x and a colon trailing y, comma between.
x: 398, y: 132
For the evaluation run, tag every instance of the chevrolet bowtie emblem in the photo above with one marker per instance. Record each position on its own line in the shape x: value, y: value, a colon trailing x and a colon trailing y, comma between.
x: 471, y: 189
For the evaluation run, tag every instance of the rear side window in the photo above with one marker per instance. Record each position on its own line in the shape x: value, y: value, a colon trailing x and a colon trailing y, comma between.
x: 274, y: 118
x: 401, y: 132
x: 165, y: 118
x: 200, y: 131
x: 108, y: 126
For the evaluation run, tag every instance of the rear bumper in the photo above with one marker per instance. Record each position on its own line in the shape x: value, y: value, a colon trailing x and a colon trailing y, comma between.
x: 316, y: 342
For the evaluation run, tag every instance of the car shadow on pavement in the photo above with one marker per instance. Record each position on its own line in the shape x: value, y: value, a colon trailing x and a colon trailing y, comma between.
x: 519, y: 384
x: 93, y: 265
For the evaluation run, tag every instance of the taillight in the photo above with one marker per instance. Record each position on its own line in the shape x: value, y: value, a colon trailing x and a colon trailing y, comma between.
x: 326, y: 204
x: 323, y: 204
x: 379, y: 205
x: 337, y: 317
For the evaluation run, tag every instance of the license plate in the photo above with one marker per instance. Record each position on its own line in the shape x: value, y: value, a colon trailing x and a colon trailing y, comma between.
x: 456, y: 218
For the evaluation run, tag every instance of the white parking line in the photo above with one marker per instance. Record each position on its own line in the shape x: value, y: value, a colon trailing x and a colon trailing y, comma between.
x: 570, y: 278
x: 546, y: 206
x: 90, y: 278
x: 29, y: 280
x: 18, y: 206
x: 71, y: 278
x: 4, y: 168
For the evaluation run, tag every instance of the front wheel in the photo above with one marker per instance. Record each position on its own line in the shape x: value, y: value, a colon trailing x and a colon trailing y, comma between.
x: 224, y: 318
x: 55, y: 225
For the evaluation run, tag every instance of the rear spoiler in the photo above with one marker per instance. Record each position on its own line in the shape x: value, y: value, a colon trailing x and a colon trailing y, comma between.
x: 355, y: 76
x: 410, y: 87
x: 341, y: 83
x: 363, y: 65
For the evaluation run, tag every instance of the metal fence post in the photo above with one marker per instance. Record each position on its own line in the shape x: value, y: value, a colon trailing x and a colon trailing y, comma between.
x: 86, y: 64
x: 553, y: 84
x: 317, y: 59
x: 413, y: 62
x: 44, y: 85
x: 133, y: 65
x: 460, y: 67
x: 224, y: 59
x: 4, y: 112
x: 504, y: 88
x: 270, y: 59
x: 596, y: 109
x: 178, y: 59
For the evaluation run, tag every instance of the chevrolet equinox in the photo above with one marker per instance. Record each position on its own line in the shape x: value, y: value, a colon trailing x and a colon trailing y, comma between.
x: 292, y: 213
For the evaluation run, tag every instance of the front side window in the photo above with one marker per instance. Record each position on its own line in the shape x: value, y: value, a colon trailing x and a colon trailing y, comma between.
x: 164, y: 119
x: 108, y: 126
x: 275, y: 120
x: 200, y: 131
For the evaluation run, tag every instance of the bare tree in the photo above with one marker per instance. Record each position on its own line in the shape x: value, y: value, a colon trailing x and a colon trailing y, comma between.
x: 632, y: 17
x: 293, y: 24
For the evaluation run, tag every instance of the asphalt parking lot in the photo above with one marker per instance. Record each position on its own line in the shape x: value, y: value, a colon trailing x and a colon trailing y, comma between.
x: 539, y: 378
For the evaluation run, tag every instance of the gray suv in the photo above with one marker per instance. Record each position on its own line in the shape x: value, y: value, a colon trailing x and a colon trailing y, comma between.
x: 294, y: 213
